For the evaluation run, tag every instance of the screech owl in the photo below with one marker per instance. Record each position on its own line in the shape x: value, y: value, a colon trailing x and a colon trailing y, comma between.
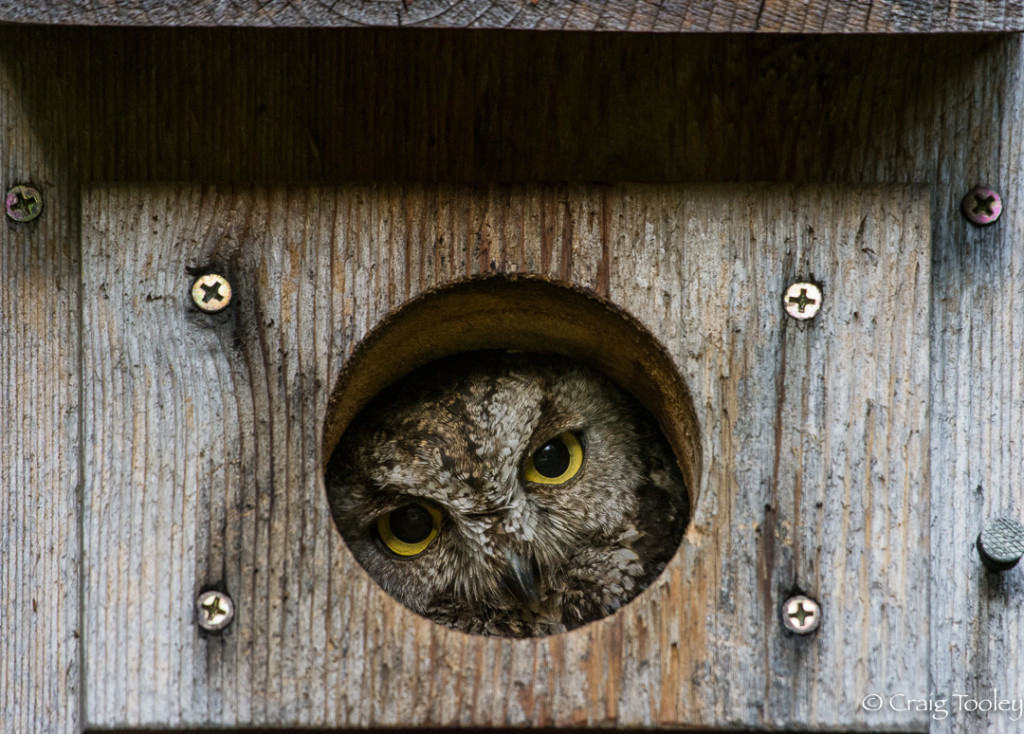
x: 508, y: 493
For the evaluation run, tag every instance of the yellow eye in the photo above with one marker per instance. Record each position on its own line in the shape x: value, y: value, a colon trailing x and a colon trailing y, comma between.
x: 556, y: 462
x: 408, y: 530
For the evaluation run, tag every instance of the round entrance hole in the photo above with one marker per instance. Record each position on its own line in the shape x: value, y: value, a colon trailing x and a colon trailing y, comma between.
x: 507, y: 455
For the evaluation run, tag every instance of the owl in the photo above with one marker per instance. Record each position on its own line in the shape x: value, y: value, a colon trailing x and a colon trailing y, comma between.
x: 506, y: 493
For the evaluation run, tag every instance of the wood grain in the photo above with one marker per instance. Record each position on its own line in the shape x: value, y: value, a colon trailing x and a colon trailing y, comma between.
x: 977, y: 374
x: 674, y: 16
x: 374, y: 105
x: 40, y: 441
x: 205, y: 464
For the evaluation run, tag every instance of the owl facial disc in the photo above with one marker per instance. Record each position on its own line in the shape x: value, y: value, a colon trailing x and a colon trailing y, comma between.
x: 508, y: 494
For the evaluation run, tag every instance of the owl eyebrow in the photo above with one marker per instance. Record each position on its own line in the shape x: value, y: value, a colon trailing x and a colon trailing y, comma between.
x: 546, y: 431
x: 393, y: 497
x: 555, y: 419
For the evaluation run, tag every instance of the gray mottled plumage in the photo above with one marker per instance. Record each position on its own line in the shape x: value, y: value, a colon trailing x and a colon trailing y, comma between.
x: 510, y: 557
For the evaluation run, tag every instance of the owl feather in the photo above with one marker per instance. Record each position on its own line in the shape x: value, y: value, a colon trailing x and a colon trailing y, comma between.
x: 508, y: 494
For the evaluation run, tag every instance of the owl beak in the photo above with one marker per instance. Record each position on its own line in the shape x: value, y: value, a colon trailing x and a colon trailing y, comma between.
x: 521, y: 579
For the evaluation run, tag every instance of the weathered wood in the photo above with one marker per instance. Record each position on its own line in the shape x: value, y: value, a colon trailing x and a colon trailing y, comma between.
x: 39, y: 426
x: 205, y: 465
x: 976, y: 411
x: 672, y: 16
x: 148, y: 105
x: 234, y: 105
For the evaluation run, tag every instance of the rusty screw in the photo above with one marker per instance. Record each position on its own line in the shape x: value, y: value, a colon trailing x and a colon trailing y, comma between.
x: 23, y: 203
x: 982, y: 206
x: 802, y: 300
x: 1001, y: 544
x: 214, y: 610
x: 211, y: 292
x: 801, y: 615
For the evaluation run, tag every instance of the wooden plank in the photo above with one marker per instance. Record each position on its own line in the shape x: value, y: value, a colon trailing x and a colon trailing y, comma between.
x: 206, y: 466
x: 39, y: 425
x: 481, y: 107
x: 703, y: 16
x: 977, y: 374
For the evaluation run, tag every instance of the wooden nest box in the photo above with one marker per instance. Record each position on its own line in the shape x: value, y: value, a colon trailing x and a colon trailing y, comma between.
x: 637, y: 185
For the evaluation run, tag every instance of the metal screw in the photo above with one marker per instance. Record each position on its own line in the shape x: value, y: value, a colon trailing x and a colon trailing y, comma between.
x: 23, y: 203
x: 982, y: 206
x: 1001, y: 544
x: 802, y: 300
x: 211, y: 292
x: 801, y: 615
x: 214, y: 610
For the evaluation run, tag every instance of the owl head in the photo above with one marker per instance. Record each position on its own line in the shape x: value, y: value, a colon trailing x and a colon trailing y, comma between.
x: 508, y: 493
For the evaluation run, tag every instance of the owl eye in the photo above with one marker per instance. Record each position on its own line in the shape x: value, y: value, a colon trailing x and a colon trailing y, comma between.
x: 556, y: 462
x: 408, y: 530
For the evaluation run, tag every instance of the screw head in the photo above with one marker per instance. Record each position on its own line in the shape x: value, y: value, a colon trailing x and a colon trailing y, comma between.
x: 1001, y: 544
x: 211, y: 292
x: 802, y: 300
x: 214, y: 610
x: 23, y: 203
x: 982, y: 206
x: 801, y: 615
